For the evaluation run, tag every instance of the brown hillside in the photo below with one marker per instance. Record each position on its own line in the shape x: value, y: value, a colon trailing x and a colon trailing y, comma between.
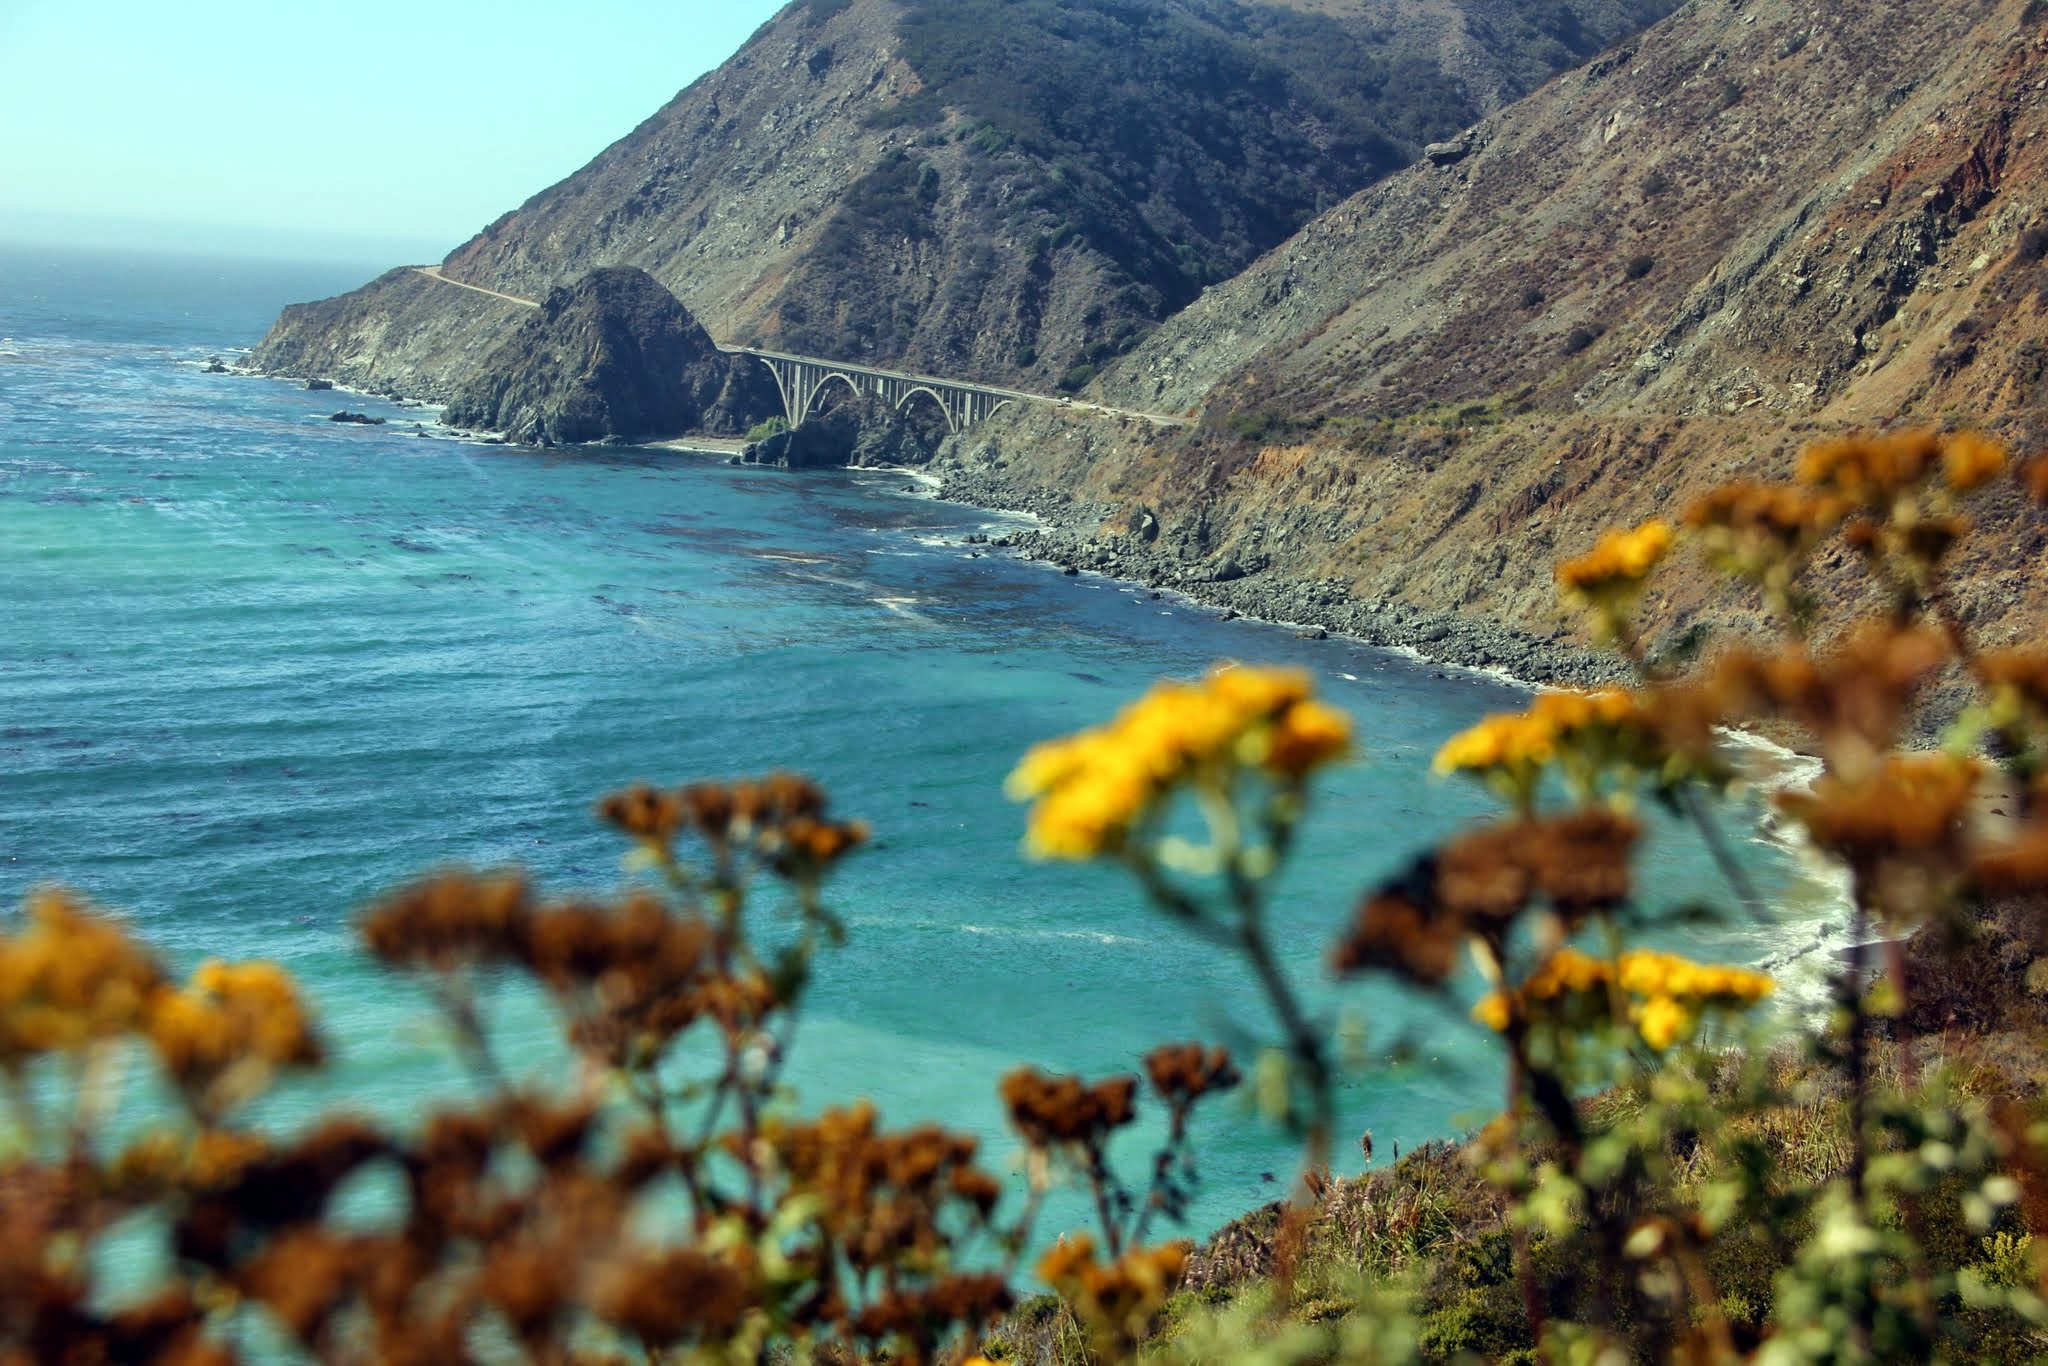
x: 1758, y: 221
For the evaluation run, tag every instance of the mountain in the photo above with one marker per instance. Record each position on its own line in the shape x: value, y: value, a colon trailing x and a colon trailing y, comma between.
x: 1758, y: 221
x: 1003, y: 190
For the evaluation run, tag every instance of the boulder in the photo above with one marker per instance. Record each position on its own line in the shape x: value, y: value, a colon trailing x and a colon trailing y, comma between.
x: 1448, y: 153
x: 319, y: 384
x: 363, y: 419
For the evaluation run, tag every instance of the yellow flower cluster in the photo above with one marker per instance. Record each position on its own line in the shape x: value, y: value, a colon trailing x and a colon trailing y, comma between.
x: 1618, y: 563
x: 70, y: 979
x: 1646, y: 972
x: 1670, y: 990
x: 1091, y: 789
x: 1519, y: 745
x: 231, y: 1015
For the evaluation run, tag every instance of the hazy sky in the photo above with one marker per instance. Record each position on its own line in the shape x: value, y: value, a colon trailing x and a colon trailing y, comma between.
x: 414, y: 123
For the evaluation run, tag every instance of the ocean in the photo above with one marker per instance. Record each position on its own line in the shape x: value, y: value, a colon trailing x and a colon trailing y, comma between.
x: 257, y: 667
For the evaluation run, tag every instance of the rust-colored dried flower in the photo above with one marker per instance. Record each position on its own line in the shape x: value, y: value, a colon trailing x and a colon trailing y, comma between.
x: 1183, y: 1073
x: 1050, y: 1111
x: 1970, y: 460
x: 2034, y: 477
x: 1475, y: 886
x: 666, y: 1298
x: 2017, y: 866
x: 450, y: 920
x: 1854, y: 700
x: 1395, y: 931
x: 806, y: 847
x: 1764, y: 532
x: 1909, y: 804
x: 1900, y: 828
x: 650, y: 814
x: 2018, y: 683
x: 930, y: 1314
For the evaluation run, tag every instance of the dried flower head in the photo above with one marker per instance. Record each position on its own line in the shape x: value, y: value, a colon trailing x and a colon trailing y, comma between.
x: 2034, y: 477
x: 1871, y: 470
x: 1900, y: 827
x: 1970, y: 460
x: 1050, y: 1111
x: 1475, y: 887
x: 1764, y: 532
x: 2017, y: 681
x: 1183, y: 1073
x: 1119, y: 1300
x: 646, y: 813
x: 1908, y: 805
x: 1854, y: 700
x: 450, y: 920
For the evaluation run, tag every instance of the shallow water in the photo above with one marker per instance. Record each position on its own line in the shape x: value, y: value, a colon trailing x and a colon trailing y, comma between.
x: 255, y: 667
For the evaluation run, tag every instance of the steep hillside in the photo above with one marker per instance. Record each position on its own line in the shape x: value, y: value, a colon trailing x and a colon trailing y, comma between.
x: 1014, y: 190
x: 1761, y: 220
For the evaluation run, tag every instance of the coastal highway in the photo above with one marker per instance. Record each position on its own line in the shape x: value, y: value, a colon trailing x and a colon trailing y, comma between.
x: 1018, y: 395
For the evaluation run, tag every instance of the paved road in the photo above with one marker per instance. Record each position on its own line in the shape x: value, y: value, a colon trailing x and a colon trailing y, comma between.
x: 1157, y: 419
x: 434, y: 273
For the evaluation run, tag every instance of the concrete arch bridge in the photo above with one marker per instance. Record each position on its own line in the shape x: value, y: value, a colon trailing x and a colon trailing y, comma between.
x: 802, y: 379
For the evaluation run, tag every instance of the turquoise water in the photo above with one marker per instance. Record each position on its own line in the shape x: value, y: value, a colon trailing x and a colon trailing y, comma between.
x: 255, y: 667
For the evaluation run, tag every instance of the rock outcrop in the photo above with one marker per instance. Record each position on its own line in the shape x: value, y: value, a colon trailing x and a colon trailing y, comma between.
x: 612, y: 357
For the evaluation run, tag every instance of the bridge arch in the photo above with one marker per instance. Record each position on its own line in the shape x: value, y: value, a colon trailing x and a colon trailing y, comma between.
x: 946, y: 410
x: 825, y: 382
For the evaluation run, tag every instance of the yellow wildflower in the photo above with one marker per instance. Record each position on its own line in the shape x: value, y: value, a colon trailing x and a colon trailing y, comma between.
x: 1092, y: 789
x: 1662, y: 1022
x: 1620, y: 560
x: 1646, y: 972
x: 71, y: 978
x: 1494, y: 1010
x: 1590, y: 732
x: 244, y: 1019
x: 1567, y: 970
x: 1970, y: 459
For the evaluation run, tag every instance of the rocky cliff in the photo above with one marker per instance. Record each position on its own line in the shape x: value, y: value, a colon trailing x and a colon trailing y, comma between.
x: 1010, y: 190
x: 613, y: 356
x: 405, y: 334
x: 1758, y: 221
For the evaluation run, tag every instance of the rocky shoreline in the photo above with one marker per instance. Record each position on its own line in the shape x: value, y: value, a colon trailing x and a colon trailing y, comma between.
x: 1074, y: 539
